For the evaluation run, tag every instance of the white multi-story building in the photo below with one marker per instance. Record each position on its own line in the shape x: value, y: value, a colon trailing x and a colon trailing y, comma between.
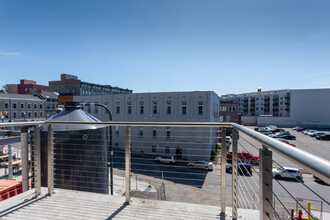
x: 21, y: 107
x: 291, y: 107
x: 185, y: 143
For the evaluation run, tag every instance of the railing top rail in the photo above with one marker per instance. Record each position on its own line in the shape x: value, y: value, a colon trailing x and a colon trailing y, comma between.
x: 318, y: 166
x: 147, y: 124
x: 20, y: 124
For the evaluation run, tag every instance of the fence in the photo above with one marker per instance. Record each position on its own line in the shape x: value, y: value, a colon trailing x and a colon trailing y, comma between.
x: 162, y: 161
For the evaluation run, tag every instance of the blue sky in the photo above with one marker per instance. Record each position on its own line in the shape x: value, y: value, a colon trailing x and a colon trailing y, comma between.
x: 168, y: 45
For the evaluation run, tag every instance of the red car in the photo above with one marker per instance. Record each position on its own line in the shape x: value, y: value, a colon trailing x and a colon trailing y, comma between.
x: 287, y: 142
x: 244, y: 157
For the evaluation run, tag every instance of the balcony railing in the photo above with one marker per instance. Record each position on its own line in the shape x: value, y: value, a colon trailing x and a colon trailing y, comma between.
x: 80, y: 161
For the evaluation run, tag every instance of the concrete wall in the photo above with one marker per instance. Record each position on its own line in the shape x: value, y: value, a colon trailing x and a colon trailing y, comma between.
x: 311, y: 107
x: 249, y: 120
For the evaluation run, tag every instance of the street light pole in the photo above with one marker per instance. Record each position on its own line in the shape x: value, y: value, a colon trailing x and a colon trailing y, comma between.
x: 109, y: 130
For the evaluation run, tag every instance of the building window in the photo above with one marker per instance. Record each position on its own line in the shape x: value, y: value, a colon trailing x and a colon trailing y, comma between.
x: 22, y: 114
x: 40, y: 106
x: 129, y: 108
x: 221, y: 118
x: 167, y: 150
x: 154, y: 132
x: 48, y: 106
x: 154, y: 148
x: 26, y: 90
x: 36, y: 114
x: 155, y: 108
x: 29, y: 105
x: 228, y: 118
x: 22, y: 106
x: 15, y: 115
x: 40, y: 114
x: 141, y: 132
x: 117, y: 108
x: 6, y: 105
x: 29, y: 114
x: 117, y: 130
x: 168, y: 132
x: 35, y: 106
x: 141, y: 108
x: 184, y: 108
x: 169, y: 108
x: 200, y: 108
x: 14, y: 105
x: 96, y: 109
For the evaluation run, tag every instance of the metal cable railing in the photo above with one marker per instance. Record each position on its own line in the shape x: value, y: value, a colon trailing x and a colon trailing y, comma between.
x: 81, y: 162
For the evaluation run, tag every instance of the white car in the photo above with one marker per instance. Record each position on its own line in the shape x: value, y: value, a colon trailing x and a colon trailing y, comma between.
x: 166, y: 159
x: 287, y: 172
x: 201, y: 164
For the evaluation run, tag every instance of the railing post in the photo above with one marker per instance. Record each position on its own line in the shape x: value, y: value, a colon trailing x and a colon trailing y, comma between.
x: 50, y: 178
x: 25, y: 158
x: 37, y: 161
x: 223, y: 171
x: 234, y: 175
x: 266, y: 184
x: 128, y: 164
x: 10, y: 162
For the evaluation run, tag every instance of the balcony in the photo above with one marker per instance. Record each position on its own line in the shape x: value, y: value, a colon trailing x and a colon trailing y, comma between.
x: 135, y: 186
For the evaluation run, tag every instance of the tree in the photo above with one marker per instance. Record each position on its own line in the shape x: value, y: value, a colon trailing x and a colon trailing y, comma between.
x: 4, y: 89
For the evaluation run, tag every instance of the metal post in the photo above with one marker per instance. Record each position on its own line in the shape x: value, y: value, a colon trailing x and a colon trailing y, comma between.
x: 25, y: 158
x: 128, y: 164
x: 234, y: 175
x: 266, y: 184
x: 37, y: 161
x: 10, y: 161
x: 223, y: 171
x: 50, y: 182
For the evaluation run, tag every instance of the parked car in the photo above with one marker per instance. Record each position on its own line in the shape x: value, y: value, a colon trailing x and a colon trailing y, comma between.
x: 287, y: 142
x: 242, y: 168
x: 323, y: 137
x: 286, y: 136
x: 166, y: 159
x: 201, y: 164
x: 265, y: 132
x: 300, y: 129
x: 317, y: 134
x: 244, y: 156
x: 305, y: 131
x: 297, y: 128
x: 279, y: 134
x: 287, y: 172
x: 311, y: 132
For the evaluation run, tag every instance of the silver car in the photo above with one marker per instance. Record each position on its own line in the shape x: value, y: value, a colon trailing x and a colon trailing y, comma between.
x: 166, y: 159
x: 287, y: 172
x: 201, y: 164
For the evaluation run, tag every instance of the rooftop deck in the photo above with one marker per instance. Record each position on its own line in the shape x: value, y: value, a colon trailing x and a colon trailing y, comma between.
x: 67, y: 204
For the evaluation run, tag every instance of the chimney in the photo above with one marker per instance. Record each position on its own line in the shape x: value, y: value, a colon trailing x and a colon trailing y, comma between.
x: 259, y: 89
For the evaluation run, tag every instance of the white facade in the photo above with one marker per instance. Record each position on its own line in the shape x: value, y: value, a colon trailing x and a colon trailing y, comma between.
x: 186, y: 143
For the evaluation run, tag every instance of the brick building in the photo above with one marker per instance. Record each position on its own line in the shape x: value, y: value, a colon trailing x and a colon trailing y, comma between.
x: 70, y: 85
x: 26, y: 87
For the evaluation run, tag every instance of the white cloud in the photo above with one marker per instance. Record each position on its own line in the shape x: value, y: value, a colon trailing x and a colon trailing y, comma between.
x: 10, y: 53
x: 314, y: 37
x: 320, y: 74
